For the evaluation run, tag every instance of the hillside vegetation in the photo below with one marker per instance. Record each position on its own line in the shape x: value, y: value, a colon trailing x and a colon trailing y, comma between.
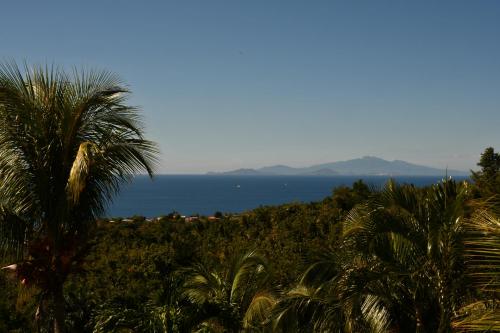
x: 398, y: 259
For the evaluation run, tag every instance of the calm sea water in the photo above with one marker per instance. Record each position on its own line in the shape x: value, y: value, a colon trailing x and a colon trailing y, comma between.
x: 208, y: 194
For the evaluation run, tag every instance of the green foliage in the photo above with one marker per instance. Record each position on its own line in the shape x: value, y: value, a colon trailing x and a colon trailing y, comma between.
x: 487, y: 179
x: 136, y: 258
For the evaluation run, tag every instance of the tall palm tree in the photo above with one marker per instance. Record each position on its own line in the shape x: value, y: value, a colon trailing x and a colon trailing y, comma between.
x: 67, y: 143
x: 400, y: 266
x: 234, y: 300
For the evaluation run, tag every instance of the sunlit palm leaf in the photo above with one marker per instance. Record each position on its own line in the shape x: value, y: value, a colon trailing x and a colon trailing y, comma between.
x: 249, y: 269
x: 483, y: 261
x: 483, y: 251
x: 259, y: 310
x: 376, y: 314
x: 481, y: 316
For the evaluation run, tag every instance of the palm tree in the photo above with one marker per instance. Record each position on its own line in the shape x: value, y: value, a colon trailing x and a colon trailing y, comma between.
x: 400, y: 266
x: 235, y: 300
x: 67, y: 143
x: 417, y: 236
x: 335, y: 295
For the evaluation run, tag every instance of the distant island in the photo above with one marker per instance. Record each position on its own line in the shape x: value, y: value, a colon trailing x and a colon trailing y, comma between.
x: 365, y: 166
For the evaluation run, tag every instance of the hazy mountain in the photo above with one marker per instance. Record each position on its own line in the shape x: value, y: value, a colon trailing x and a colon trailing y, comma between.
x: 240, y: 172
x: 279, y: 170
x: 321, y: 172
x: 367, y: 165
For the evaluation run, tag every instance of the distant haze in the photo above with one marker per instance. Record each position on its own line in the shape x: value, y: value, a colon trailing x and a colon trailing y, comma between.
x: 367, y: 165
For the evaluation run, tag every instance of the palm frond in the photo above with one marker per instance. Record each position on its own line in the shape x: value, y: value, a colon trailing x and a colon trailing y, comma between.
x: 259, y: 310
x: 322, y: 270
x: 14, y: 233
x: 249, y: 269
x: 482, y: 253
x: 483, y: 250
x: 80, y: 171
x: 201, y: 285
x: 376, y: 314
x: 481, y: 316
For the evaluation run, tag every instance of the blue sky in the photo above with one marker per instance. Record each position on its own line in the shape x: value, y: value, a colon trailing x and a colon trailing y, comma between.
x: 230, y: 84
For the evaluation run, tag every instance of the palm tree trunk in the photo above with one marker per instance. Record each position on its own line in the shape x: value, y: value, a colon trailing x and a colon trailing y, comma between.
x: 59, y: 310
x: 445, y: 322
x: 445, y: 306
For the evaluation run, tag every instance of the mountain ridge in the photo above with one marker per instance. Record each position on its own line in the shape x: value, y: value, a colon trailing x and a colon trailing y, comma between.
x: 364, y: 166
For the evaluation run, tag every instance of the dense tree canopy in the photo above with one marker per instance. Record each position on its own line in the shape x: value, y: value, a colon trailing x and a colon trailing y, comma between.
x: 397, y: 261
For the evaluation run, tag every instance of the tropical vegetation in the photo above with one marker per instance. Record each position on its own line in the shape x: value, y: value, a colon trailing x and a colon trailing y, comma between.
x: 395, y: 259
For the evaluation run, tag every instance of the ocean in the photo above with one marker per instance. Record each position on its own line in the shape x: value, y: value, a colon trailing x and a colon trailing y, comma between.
x: 205, y: 195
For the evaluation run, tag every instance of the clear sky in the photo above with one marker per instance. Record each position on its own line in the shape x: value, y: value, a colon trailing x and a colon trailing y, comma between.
x: 231, y: 84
